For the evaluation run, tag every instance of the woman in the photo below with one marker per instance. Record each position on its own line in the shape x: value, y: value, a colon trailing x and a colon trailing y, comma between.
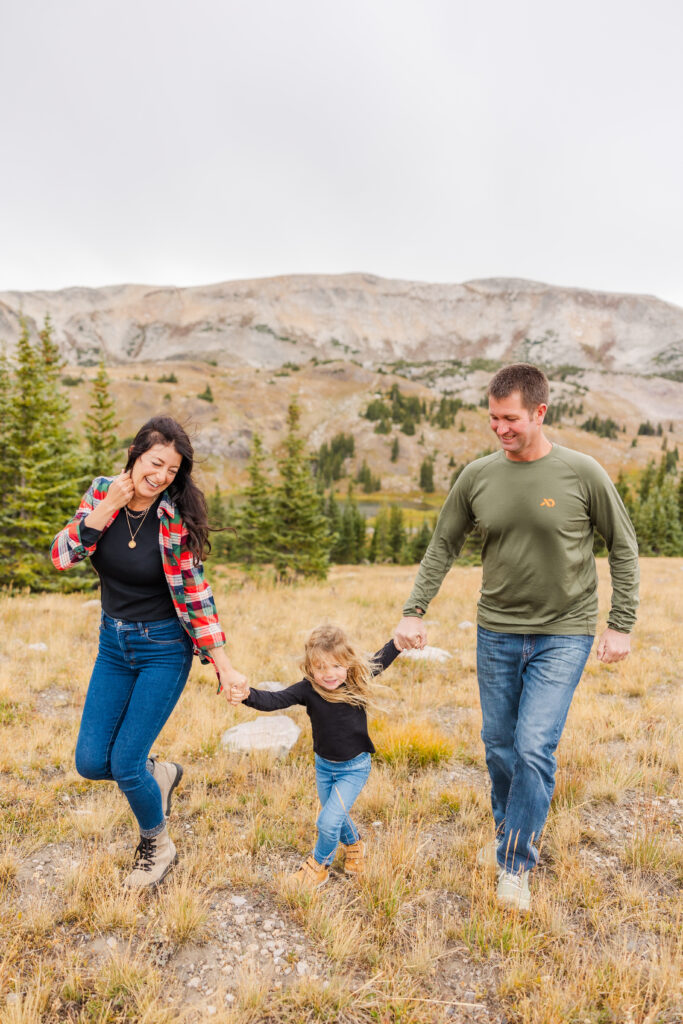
x: 146, y: 532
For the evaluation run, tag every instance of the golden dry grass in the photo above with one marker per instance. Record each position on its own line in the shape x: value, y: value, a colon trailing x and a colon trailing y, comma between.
x: 420, y: 938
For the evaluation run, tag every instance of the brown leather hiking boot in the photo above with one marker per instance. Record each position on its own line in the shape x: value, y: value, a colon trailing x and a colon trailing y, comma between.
x: 167, y: 775
x: 154, y: 858
x: 354, y: 858
x: 310, y: 875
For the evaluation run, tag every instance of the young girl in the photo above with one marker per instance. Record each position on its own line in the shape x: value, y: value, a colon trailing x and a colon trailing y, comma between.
x: 336, y: 691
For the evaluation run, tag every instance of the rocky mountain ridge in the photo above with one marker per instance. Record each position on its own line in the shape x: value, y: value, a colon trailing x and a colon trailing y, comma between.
x: 272, y: 321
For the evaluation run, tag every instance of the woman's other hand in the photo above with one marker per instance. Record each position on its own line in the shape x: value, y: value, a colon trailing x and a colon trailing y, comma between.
x: 120, y: 492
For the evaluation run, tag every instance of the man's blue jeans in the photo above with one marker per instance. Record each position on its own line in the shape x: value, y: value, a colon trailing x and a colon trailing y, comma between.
x: 140, y: 672
x: 526, y: 684
x: 338, y: 784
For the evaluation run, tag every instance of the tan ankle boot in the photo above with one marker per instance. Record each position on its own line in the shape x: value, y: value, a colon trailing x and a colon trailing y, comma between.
x: 354, y: 858
x: 167, y: 775
x: 310, y: 875
x: 154, y: 858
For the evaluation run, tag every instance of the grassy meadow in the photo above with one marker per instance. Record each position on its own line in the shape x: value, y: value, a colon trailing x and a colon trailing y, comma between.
x: 420, y: 938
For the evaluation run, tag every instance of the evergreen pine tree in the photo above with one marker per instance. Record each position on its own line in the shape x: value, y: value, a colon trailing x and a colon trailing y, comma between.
x: 657, y: 525
x: 333, y: 516
x: 347, y: 538
x: 222, y: 540
x: 379, y: 550
x: 255, y: 532
x: 47, y: 474
x: 646, y: 481
x: 427, y: 476
x: 396, y: 533
x: 101, y: 425
x: 420, y: 542
x: 301, y: 539
x: 359, y: 526
x: 7, y: 470
x: 395, y: 450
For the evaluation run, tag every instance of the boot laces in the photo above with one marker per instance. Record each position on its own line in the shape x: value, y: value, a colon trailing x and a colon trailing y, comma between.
x: 144, y: 854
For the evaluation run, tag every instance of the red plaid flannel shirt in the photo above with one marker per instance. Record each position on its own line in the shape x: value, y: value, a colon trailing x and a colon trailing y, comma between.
x: 190, y: 590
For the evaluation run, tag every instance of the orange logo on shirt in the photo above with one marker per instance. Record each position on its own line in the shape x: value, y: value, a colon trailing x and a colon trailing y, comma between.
x: 548, y: 503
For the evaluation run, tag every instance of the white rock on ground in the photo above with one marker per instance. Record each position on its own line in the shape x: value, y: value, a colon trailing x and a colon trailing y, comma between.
x: 428, y: 654
x: 272, y: 686
x: 37, y: 647
x: 277, y: 733
x: 465, y: 624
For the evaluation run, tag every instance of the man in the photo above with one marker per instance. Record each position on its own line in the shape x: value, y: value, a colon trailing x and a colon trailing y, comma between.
x: 535, y: 504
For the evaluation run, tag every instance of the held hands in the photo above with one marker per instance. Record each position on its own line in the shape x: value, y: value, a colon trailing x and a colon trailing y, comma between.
x: 410, y: 633
x: 613, y: 646
x: 235, y: 685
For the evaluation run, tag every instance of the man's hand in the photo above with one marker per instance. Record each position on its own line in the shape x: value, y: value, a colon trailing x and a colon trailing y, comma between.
x: 410, y: 633
x: 613, y: 646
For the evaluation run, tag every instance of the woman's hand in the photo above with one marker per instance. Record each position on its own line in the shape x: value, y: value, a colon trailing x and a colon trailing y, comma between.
x: 120, y: 492
x: 235, y: 685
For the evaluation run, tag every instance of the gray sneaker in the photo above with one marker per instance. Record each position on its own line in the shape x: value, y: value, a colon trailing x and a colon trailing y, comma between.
x: 513, y: 890
x: 154, y: 858
x: 167, y: 775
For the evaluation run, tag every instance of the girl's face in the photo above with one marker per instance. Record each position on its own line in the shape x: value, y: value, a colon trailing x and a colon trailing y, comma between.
x: 329, y: 674
x: 154, y: 470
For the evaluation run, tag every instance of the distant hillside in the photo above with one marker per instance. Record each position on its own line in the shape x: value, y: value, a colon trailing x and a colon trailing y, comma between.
x: 267, y: 323
x: 334, y: 396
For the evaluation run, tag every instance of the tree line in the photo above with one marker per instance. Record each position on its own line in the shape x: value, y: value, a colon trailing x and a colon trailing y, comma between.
x: 286, y: 519
x: 289, y: 515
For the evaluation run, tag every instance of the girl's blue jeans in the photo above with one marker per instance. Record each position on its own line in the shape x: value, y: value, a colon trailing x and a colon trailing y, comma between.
x: 140, y: 672
x: 526, y: 684
x: 338, y: 784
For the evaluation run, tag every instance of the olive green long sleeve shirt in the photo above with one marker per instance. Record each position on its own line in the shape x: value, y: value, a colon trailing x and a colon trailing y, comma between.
x: 536, y: 519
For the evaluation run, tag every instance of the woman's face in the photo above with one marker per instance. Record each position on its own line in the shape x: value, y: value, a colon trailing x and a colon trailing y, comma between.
x: 154, y: 470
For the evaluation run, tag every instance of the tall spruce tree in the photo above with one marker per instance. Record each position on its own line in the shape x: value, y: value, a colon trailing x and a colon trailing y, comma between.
x: 222, y: 539
x: 301, y: 538
x: 6, y: 468
x: 379, y: 549
x: 334, y: 524
x: 397, y: 533
x: 47, y: 477
x: 254, y: 543
x: 101, y: 425
x: 420, y: 542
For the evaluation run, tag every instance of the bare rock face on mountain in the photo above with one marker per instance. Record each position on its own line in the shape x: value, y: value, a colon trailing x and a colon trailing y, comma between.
x: 272, y: 321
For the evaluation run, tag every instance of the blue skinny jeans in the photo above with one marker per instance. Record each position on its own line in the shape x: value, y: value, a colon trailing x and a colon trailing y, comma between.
x: 526, y: 684
x: 338, y: 784
x: 140, y: 672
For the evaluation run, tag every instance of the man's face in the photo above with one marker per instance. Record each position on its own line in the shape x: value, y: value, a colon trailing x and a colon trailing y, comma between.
x: 518, y: 430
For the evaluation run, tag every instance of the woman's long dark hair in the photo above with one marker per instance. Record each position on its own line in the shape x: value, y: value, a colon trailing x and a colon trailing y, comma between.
x: 183, y: 490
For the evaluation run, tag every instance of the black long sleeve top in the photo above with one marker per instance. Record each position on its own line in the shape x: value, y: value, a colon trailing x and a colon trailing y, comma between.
x: 340, y: 730
x: 133, y: 582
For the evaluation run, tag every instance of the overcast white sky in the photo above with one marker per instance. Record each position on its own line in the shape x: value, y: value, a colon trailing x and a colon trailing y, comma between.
x: 170, y: 142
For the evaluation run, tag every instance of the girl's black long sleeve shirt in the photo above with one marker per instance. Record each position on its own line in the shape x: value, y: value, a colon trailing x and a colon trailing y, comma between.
x: 340, y: 730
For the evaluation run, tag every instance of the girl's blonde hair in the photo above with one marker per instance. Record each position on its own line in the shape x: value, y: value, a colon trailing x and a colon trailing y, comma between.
x: 332, y: 643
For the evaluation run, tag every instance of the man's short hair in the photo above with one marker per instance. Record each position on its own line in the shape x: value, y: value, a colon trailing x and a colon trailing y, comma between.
x: 531, y: 383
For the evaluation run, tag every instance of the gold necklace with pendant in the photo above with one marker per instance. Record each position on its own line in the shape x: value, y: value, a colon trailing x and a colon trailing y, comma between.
x: 131, y: 542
